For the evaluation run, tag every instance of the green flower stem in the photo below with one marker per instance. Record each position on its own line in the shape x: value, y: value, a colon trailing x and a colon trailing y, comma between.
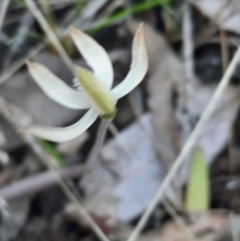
x: 101, y: 134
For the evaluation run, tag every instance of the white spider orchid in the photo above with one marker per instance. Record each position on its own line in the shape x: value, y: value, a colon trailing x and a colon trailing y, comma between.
x: 97, y: 94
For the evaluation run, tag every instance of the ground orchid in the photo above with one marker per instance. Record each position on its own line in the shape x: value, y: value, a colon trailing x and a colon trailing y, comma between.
x: 96, y: 94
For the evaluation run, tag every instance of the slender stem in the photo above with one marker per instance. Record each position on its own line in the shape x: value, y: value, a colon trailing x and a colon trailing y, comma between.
x: 15, y: 66
x: 3, y: 11
x: 188, y: 44
x: 187, y: 147
x: 102, y: 131
x: 49, y: 33
x: 233, y: 227
x: 37, y: 183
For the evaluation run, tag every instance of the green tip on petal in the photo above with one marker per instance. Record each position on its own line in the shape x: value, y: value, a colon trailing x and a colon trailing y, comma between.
x: 110, y: 115
x: 62, y: 134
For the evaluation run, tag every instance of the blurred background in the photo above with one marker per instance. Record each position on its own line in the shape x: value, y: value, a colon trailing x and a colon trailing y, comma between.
x: 190, y: 44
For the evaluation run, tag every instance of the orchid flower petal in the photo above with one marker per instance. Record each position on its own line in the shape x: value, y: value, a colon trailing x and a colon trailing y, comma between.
x: 95, y: 56
x: 56, y: 89
x: 138, y: 67
x: 62, y: 134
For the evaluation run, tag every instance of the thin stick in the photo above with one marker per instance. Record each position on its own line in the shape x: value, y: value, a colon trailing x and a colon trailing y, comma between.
x: 224, y: 49
x: 49, y: 33
x: 234, y: 230
x: 37, y: 183
x: 47, y: 9
x: 3, y: 11
x: 224, y: 57
x: 19, y: 63
x: 9, y: 111
x: 188, y: 44
x: 187, y: 147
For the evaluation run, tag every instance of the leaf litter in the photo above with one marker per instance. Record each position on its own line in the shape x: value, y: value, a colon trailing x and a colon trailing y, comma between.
x: 120, y: 184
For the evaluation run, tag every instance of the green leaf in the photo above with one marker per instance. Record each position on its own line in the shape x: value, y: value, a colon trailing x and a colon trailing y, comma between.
x: 20, y: 3
x: 137, y: 8
x: 53, y: 153
x: 198, y: 193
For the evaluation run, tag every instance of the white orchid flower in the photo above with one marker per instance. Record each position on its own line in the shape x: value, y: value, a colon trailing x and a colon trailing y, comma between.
x: 97, y: 94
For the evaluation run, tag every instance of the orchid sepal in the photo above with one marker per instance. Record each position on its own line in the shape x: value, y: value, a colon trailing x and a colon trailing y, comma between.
x: 62, y: 134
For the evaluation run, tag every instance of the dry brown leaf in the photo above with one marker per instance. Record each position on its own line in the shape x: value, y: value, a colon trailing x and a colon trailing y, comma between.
x: 206, y: 227
x: 224, y: 13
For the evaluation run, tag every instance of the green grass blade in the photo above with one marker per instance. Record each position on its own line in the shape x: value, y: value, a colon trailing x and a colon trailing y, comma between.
x: 137, y: 8
x: 53, y: 153
x: 19, y: 2
x: 35, y: 35
x: 198, y: 193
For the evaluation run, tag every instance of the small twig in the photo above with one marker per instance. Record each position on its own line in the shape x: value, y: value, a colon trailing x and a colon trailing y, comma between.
x: 224, y: 49
x: 37, y: 183
x: 3, y: 10
x: 12, y: 114
x: 188, y: 44
x: 19, y: 63
x: 188, y: 86
x: 234, y: 231
x: 25, y: 25
x: 219, y: 18
x: 97, y: 147
x: 187, y: 147
x: 46, y: 9
x: 49, y: 33
x: 224, y: 57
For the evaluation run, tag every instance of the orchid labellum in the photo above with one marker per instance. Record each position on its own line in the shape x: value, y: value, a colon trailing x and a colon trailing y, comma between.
x: 97, y: 95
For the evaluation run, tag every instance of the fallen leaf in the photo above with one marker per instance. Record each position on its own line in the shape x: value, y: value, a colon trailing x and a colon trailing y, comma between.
x: 205, y: 226
x: 122, y: 183
x: 224, y: 13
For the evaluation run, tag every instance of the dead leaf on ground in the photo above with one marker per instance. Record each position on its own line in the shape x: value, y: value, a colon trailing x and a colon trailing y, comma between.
x: 122, y: 183
x: 205, y: 226
x: 224, y: 13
